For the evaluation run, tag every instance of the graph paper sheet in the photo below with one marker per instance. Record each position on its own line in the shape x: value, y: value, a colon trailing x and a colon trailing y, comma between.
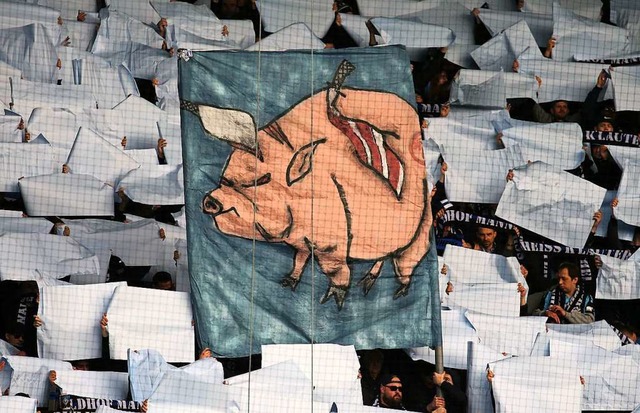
x: 30, y: 375
x: 333, y: 369
x: 529, y: 384
x: 17, y: 404
x: 147, y: 368
x: 135, y: 243
x: 516, y: 42
x: 162, y: 320
x: 510, y: 335
x: 629, y: 194
x: 552, y: 203
x: 536, y: 142
x: 75, y: 195
x: 456, y: 333
x: 70, y: 257
x: 294, y: 36
x: 94, y: 384
x: 611, y: 379
x: 155, y: 185
x: 481, y: 177
x: 71, y: 321
x: 619, y: 279
x: 24, y: 160
x: 478, y: 388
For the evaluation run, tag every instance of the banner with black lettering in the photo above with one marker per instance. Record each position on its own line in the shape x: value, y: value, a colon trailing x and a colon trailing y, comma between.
x: 611, y: 138
x: 69, y: 403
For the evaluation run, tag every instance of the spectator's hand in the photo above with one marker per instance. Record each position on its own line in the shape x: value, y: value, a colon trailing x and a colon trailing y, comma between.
x: 60, y: 22
x: 27, y: 136
x: 524, y: 271
x: 444, y: 269
x: 516, y: 231
x: 510, y: 175
x: 523, y: 294
x: 539, y: 80
x: 598, y: 261
x: 582, y: 380
x: 104, y: 325
x: 59, y: 63
x: 475, y: 12
x: 552, y: 316
x: 499, y: 139
x: 205, y: 354
x: 515, y: 66
x: 162, y: 234
x: 436, y: 403
x: 66, y: 231
x: 2, y: 364
x: 144, y: 406
x: 443, y: 168
x: 558, y: 310
x: 66, y: 41
x: 438, y: 378
x: 465, y: 244
x: 338, y: 20
x: 225, y: 30
x: 37, y: 321
x: 551, y: 44
x: 65, y: 168
x: 449, y: 288
x: 176, y: 255
x: 448, y: 378
x: 597, y: 218
x: 614, y: 202
x: 81, y: 16
x: 123, y: 142
x: 21, y: 124
x: 602, y: 79
x: 162, y: 143
x: 490, y: 376
x: 52, y: 376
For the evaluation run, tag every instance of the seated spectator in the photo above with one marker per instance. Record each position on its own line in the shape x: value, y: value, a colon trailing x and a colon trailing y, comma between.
x: 162, y: 281
x: 389, y: 393
x: 453, y: 397
x: 559, y: 112
x: 486, y: 241
x: 370, y: 368
x: 627, y: 333
x: 568, y: 302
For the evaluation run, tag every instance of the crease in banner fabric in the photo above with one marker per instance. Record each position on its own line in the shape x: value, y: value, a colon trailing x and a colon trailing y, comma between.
x: 307, y: 208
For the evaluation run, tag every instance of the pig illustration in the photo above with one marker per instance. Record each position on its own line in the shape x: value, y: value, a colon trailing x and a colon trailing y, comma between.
x: 335, y: 178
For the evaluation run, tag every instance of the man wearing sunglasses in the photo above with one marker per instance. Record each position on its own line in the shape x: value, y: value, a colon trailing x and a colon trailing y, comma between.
x: 390, y: 396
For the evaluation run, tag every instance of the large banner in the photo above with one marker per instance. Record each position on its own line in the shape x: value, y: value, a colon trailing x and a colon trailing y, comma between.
x: 306, y: 199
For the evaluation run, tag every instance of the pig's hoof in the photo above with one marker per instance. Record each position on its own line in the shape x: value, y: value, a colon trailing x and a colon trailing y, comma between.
x: 338, y: 292
x: 290, y: 282
x: 401, y: 291
x: 367, y: 282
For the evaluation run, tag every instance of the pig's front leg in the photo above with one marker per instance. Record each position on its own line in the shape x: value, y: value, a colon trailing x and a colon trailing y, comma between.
x: 300, y: 260
x: 334, y: 265
x: 370, y: 278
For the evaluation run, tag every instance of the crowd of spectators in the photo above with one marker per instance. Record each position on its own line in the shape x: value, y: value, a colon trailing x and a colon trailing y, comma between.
x: 389, y: 378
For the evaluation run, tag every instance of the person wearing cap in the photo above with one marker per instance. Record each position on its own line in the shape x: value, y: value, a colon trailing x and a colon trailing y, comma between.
x: 608, y: 173
x: 390, y: 393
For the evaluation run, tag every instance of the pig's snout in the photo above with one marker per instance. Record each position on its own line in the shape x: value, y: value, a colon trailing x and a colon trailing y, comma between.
x: 211, y: 205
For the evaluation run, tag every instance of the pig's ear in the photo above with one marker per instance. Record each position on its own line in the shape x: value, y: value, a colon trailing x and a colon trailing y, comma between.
x: 301, y: 162
x: 234, y: 126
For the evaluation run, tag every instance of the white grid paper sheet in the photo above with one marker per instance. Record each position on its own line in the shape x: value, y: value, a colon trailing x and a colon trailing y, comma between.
x: 142, y: 318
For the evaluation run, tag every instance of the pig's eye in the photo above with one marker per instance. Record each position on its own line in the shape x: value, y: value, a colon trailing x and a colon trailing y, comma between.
x: 264, y: 179
x: 226, y: 182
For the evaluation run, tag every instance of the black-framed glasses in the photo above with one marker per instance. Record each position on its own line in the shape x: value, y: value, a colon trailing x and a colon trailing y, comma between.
x: 394, y: 388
